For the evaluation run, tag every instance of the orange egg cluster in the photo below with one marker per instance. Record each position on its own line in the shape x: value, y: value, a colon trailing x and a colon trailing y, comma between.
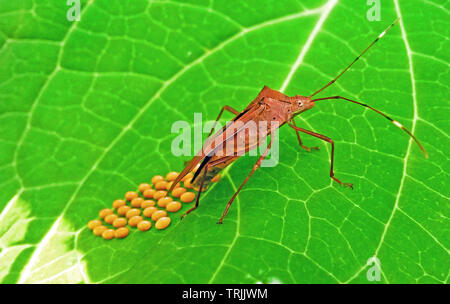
x: 138, y: 209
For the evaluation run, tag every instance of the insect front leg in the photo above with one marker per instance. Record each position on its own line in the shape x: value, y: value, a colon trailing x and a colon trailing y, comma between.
x: 327, y: 139
x: 309, y: 149
x: 229, y: 109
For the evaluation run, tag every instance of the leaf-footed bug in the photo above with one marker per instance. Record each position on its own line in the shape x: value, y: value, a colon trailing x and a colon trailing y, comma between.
x: 276, y: 109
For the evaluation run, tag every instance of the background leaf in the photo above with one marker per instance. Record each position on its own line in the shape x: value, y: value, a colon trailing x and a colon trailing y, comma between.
x: 86, y: 110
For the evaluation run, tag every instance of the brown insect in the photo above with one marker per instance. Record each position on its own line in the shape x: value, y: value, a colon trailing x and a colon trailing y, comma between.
x: 275, y: 109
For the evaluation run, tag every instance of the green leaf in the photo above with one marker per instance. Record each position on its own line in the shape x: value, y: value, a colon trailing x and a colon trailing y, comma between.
x: 86, y: 112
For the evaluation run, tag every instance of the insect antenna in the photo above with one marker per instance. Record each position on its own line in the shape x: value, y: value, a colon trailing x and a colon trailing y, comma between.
x: 396, y: 123
x: 356, y: 59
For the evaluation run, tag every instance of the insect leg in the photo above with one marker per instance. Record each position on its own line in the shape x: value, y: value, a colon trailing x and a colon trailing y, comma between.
x: 229, y: 109
x: 300, y: 141
x: 208, y: 166
x: 255, y: 167
x: 327, y: 139
x: 198, y: 195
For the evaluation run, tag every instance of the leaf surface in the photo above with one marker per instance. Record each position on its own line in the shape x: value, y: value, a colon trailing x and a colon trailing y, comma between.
x: 86, y: 115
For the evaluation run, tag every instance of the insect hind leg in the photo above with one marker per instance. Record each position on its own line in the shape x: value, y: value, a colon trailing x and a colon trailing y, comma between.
x: 255, y: 167
x: 198, y: 196
x: 207, y: 169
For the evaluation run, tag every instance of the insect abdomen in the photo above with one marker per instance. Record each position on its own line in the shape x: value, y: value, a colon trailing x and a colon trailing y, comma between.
x: 206, y: 178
